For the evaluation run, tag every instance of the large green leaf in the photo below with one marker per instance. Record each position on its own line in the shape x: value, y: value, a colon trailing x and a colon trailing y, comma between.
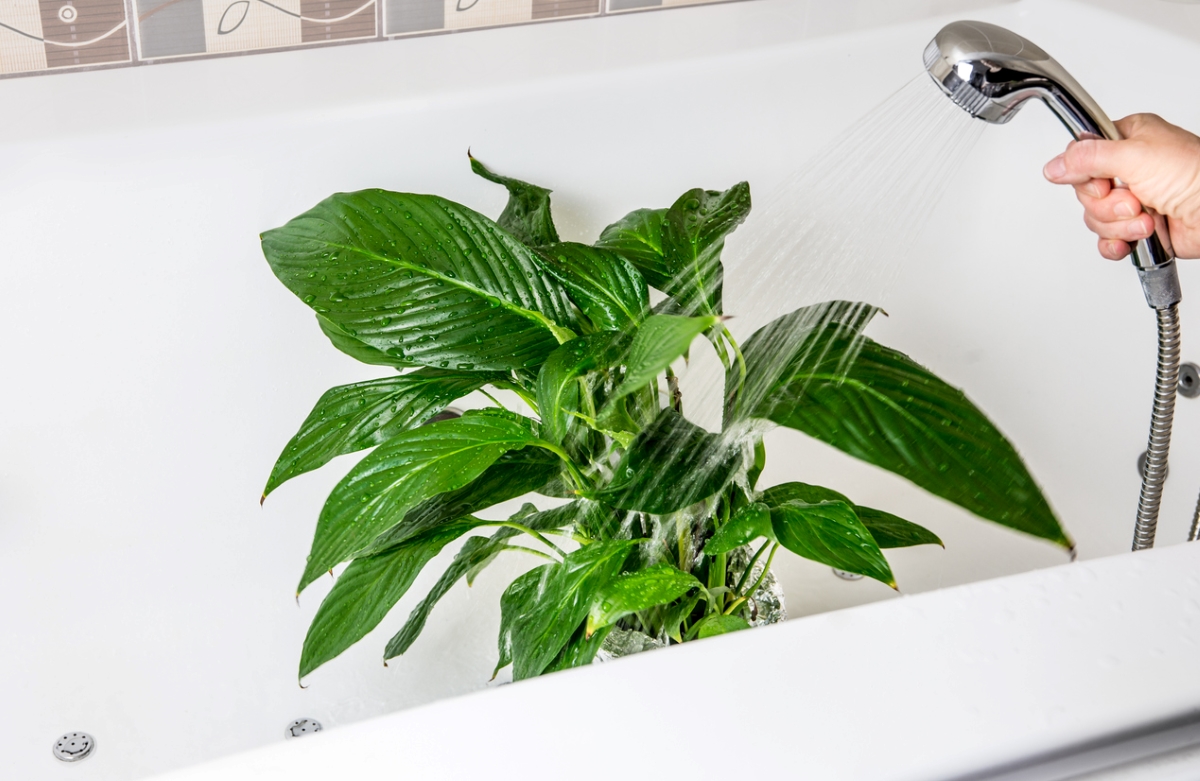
x: 880, y: 406
x: 475, y: 553
x: 350, y: 418
x: 830, y: 533
x: 672, y: 464
x: 514, y: 474
x: 658, y: 342
x: 409, y: 468
x: 605, y: 286
x: 549, y: 609
x: 557, y: 384
x: 366, y: 591
x: 423, y: 279
x: 889, y: 531
x: 637, y: 237
x: 785, y: 342
x: 636, y: 591
x: 527, y: 213
x: 693, y: 237
x: 516, y: 602
x: 357, y: 350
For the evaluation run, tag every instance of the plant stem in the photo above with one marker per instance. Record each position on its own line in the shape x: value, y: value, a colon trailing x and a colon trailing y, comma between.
x: 741, y: 362
x: 495, y: 401
x: 531, y: 532
x: 576, y: 475
x: 542, y: 554
x: 738, y: 588
x: 766, y: 568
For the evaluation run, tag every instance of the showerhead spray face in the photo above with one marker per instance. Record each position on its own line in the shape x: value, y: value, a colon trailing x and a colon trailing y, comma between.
x: 991, y: 72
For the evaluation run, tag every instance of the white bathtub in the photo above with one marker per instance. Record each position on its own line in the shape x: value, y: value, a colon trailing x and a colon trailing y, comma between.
x: 153, y: 369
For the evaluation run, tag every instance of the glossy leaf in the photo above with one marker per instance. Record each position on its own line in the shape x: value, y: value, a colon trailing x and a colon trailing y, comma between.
x: 423, y: 279
x: 527, y: 213
x: 747, y: 524
x: 891, y: 531
x: 636, y: 591
x: 693, y: 237
x: 672, y: 464
x: 774, y: 351
x: 605, y: 286
x: 557, y: 384
x: 516, y: 602
x: 357, y: 350
x: 366, y: 591
x: 475, y: 554
x: 514, y: 474
x: 579, y: 651
x: 880, y: 406
x: 830, y: 533
x: 720, y: 625
x: 400, y: 474
x: 549, y: 610
x: 637, y: 237
x: 350, y: 418
x: 656, y: 345
x: 675, y: 615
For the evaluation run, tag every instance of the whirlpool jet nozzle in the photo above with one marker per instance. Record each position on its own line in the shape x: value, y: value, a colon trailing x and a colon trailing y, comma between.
x: 990, y: 72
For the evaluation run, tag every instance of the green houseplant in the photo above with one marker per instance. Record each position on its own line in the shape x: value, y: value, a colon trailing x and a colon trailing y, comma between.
x: 650, y: 509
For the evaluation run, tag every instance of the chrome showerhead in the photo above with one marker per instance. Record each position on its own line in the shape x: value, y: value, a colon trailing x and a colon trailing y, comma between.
x: 990, y: 73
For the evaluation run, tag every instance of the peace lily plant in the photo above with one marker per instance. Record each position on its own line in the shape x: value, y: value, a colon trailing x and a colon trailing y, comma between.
x: 654, y: 525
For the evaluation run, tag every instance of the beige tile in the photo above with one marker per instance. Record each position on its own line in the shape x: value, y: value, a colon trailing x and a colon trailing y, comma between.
x: 239, y: 25
x: 461, y: 14
x: 18, y: 52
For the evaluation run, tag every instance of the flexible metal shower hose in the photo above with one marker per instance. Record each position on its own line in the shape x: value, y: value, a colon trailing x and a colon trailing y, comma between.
x: 1154, y: 474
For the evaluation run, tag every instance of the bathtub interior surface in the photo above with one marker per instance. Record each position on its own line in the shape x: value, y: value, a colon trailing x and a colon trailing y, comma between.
x: 155, y: 367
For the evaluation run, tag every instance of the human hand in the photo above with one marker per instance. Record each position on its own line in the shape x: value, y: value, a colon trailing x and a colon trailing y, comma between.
x: 1158, y: 162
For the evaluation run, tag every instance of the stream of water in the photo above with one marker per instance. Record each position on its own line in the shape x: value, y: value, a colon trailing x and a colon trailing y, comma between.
x: 842, y: 225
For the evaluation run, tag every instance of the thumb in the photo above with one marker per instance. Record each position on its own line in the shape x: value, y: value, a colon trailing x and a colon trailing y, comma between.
x: 1092, y: 159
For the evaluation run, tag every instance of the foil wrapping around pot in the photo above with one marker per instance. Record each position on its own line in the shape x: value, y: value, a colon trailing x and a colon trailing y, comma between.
x: 766, y: 603
x: 766, y: 606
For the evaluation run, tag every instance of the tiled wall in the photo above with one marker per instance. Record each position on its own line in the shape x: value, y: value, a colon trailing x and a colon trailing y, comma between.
x: 40, y: 36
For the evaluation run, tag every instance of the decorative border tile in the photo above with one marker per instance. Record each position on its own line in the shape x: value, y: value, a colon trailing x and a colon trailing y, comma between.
x: 41, y: 36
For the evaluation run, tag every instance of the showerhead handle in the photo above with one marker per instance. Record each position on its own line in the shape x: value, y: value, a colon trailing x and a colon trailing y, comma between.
x: 991, y: 72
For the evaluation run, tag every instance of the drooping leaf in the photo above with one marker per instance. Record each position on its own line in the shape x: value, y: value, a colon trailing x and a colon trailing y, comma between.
x: 527, y: 213
x: 795, y: 339
x: 475, y: 553
x: 747, y: 524
x: 638, y: 590
x: 604, y: 285
x: 549, y: 610
x: 720, y: 625
x: 830, y: 533
x: 514, y: 474
x: 880, y: 406
x: 423, y: 279
x: 672, y: 464
x: 891, y: 531
x: 400, y: 474
x: 557, y: 385
x: 693, y: 237
x: 350, y: 418
x: 360, y: 351
x: 366, y: 591
x: 637, y: 237
x: 516, y: 602
x: 658, y: 342
x: 801, y: 492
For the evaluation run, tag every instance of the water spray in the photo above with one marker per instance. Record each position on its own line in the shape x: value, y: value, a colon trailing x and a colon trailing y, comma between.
x: 990, y: 73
